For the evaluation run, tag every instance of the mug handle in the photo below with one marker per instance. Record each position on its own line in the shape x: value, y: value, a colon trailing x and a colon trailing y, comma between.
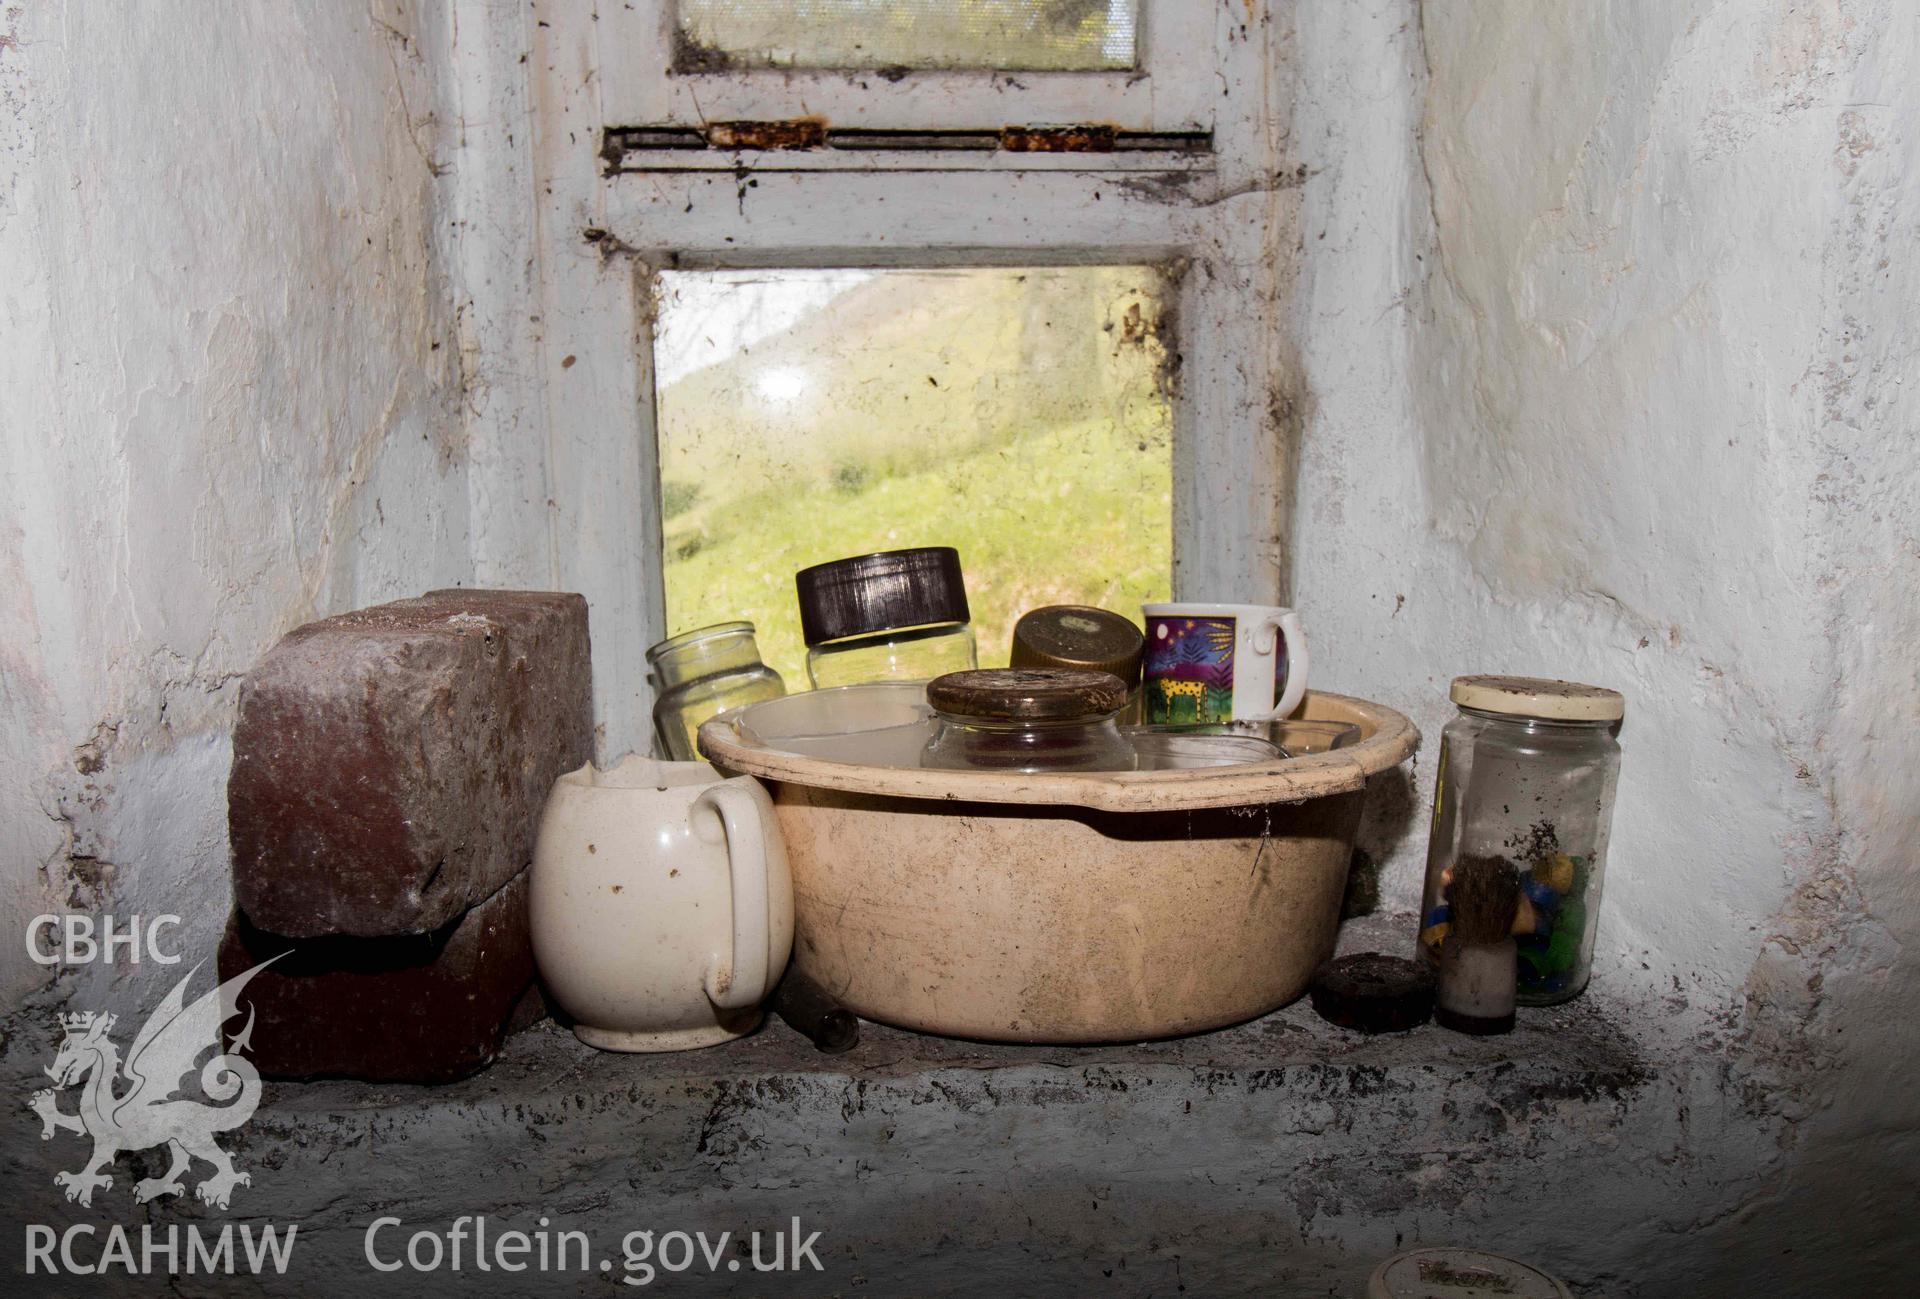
x: 1287, y: 626
x: 740, y: 978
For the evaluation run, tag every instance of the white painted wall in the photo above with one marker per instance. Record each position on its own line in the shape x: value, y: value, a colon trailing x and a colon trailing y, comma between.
x: 1603, y: 321
x: 1607, y: 319
x: 229, y: 402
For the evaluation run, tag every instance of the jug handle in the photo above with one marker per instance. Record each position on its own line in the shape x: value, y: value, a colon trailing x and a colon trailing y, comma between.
x: 740, y: 978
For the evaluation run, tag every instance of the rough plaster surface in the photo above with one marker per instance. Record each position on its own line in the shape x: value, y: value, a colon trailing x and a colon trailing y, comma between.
x: 1606, y: 327
x: 230, y: 405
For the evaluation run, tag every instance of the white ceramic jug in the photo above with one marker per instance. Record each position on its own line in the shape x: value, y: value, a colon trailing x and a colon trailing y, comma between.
x: 661, y: 906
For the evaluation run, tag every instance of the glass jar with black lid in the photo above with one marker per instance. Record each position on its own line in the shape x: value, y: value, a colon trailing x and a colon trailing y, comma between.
x: 1027, y: 720
x: 899, y: 615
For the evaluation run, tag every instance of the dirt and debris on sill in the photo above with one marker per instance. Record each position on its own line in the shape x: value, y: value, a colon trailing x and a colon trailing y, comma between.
x: 1092, y: 138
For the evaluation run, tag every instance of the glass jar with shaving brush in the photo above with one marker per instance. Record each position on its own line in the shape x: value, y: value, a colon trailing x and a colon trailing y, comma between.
x: 1526, y: 777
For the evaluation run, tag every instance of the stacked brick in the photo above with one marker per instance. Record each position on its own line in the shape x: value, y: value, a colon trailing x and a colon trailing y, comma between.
x: 389, y: 768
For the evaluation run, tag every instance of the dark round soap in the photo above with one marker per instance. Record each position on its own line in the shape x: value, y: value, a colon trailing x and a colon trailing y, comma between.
x: 1373, y: 992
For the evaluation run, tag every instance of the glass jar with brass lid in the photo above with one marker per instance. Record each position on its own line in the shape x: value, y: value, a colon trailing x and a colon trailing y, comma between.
x: 1086, y: 637
x: 1079, y: 636
x: 1027, y: 719
x: 1526, y: 777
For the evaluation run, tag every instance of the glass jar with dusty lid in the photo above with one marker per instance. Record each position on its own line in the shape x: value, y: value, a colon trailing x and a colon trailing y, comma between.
x: 1526, y: 778
x: 1027, y: 720
x: 1082, y: 636
x: 703, y: 673
x: 899, y: 615
x: 1079, y: 636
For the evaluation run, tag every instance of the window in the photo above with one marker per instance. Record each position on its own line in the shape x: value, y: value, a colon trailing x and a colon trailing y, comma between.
x: 1058, y: 35
x: 1020, y: 415
x: 744, y: 207
x: 1143, y: 66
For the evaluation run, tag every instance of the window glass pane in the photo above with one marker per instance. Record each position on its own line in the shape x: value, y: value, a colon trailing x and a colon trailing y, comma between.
x: 1020, y: 415
x: 1070, y: 35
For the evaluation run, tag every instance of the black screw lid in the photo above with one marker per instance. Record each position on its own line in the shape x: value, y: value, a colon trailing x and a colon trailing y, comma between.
x: 872, y: 593
x: 1373, y: 992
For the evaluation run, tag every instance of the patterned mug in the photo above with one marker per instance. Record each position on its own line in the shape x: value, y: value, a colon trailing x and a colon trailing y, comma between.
x: 1210, y: 663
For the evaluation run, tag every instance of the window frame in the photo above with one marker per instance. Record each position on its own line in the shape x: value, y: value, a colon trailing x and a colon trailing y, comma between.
x: 606, y: 220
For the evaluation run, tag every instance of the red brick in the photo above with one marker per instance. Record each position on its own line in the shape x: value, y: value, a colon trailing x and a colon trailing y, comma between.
x: 422, y: 1008
x: 389, y: 765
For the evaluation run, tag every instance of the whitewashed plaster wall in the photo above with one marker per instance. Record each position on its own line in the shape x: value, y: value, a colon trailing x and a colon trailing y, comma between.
x: 230, y: 401
x: 1606, y: 324
x: 1602, y: 343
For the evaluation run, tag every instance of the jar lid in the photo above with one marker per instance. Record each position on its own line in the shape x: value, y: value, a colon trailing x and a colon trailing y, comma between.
x: 870, y: 593
x: 1027, y: 694
x: 1373, y: 992
x: 1553, y: 701
x: 1079, y: 636
x: 1441, y: 1273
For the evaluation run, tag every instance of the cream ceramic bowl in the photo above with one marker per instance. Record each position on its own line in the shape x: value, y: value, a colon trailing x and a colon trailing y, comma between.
x: 1080, y: 907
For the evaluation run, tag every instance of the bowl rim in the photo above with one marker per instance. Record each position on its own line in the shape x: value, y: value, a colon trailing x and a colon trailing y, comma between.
x: 1388, y: 738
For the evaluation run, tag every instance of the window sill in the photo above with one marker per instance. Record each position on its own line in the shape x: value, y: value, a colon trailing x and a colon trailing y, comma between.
x: 1048, y: 1161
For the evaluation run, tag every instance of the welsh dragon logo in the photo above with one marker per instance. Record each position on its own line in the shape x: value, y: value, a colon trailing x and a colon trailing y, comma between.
x: 152, y: 1112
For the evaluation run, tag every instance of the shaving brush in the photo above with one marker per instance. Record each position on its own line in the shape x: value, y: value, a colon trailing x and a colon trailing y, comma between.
x: 1478, y: 960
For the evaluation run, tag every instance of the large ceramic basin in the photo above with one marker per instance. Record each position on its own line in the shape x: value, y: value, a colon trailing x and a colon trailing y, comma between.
x: 1055, y: 907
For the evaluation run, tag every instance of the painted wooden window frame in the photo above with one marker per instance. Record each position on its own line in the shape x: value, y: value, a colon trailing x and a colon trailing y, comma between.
x: 605, y: 222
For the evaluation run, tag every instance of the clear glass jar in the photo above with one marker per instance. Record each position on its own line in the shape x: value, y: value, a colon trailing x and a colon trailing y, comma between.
x: 700, y: 674
x: 1181, y: 748
x: 1526, y: 776
x: 1027, y: 720
x: 899, y: 654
